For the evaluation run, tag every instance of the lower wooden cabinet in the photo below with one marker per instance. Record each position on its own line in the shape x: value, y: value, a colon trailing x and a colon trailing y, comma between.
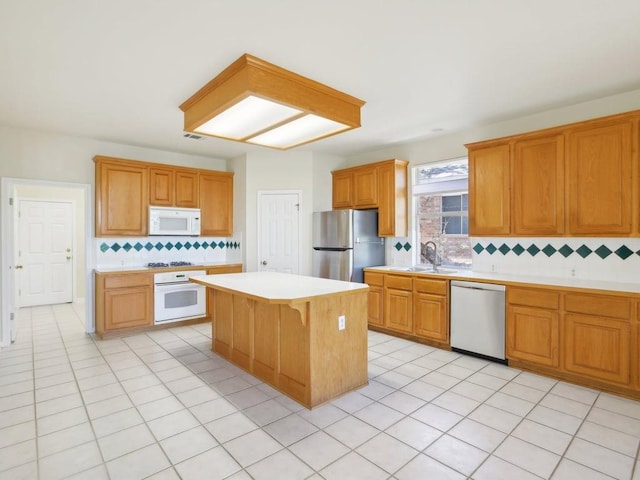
x: 431, y: 309
x: 598, y: 348
x: 533, y: 326
x: 398, y: 308
x: 412, y: 306
x: 123, y: 301
x: 597, y: 337
x: 584, y: 337
x: 375, y: 298
x: 533, y: 335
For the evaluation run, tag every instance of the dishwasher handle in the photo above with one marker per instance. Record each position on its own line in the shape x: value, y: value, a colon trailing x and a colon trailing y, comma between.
x: 477, y: 286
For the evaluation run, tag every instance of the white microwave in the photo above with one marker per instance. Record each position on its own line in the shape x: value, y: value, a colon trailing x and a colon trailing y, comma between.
x: 174, y: 221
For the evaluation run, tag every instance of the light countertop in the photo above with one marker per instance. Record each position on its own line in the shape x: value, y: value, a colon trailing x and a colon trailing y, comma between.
x: 144, y: 268
x: 274, y: 287
x: 530, y: 280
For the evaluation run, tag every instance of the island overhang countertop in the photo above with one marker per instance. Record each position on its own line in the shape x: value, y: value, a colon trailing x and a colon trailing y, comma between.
x: 275, y: 287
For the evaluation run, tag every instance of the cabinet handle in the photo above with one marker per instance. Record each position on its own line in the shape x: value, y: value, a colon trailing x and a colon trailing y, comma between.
x: 264, y: 262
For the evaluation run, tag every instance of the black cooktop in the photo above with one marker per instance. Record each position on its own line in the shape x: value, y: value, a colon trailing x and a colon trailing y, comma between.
x: 171, y: 264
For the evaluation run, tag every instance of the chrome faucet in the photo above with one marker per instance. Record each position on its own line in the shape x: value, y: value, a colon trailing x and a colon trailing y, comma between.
x: 430, y: 253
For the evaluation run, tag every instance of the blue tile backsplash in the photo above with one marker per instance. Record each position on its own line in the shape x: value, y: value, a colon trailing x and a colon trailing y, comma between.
x: 114, y: 252
x: 549, y: 250
x: 615, y: 259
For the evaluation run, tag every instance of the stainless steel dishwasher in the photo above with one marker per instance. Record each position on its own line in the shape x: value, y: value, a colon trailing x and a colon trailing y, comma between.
x: 477, y: 319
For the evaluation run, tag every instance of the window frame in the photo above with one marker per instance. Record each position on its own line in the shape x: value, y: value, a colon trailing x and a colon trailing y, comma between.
x: 455, y: 185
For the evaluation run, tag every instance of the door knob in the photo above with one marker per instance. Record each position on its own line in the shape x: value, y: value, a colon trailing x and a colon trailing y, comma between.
x: 68, y: 250
x: 264, y: 262
x: 68, y: 257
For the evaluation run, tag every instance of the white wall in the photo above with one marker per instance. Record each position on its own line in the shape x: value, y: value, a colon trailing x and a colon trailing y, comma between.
x: 447, y: 146
x: 275, y: 170
x: 323, y: 165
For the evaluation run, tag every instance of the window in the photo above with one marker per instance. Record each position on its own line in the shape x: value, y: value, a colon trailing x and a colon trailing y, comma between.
x: 441, y: 206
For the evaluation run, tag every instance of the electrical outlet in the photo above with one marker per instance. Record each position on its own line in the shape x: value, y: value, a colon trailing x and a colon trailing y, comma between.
x: 342, y: 321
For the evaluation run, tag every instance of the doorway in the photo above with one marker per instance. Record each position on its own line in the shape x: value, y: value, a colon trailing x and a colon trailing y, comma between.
x: 279, y: 231
x: 79, y: 195
x: 44, y: 252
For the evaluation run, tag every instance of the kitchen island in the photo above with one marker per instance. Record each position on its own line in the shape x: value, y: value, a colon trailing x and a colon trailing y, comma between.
x: 287, y: 331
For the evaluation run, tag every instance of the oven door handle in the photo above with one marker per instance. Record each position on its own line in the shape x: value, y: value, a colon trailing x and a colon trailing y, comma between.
x: 177, y: 284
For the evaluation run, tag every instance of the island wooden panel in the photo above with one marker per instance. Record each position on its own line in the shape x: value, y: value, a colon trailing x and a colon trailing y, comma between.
x: 296, y: 347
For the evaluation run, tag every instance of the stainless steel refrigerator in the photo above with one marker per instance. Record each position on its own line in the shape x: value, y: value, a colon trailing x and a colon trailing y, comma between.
x: 345, y: 242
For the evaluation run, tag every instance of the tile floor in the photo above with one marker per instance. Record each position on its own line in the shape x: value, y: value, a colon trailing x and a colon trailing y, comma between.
x: 161, y: 405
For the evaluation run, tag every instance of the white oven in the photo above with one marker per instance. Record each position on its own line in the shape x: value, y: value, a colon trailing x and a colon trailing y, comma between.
x: 176, y: 298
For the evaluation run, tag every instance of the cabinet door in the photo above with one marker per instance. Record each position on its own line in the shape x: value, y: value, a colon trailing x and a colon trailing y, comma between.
x: 430, y: 316
x: 538, y: 186
x: 392, y: 199
x: 533, y: 335
x: 489, y: 179
x: 161, y: 186
x: 342, y: 189
x: 186, y: 189
x: 122, y: 201
x: 128, y: 307
x: 216, y: 204
x: 365, y: 181
x: 375, y: 305
x: 597, y: 347
x: 600, y: 180
x: 398, y: 313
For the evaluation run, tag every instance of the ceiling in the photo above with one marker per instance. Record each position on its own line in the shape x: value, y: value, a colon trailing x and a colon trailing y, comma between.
x: 117, y: 70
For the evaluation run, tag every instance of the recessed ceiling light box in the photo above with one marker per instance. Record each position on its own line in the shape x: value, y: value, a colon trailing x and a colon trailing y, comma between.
x: 257, y: 102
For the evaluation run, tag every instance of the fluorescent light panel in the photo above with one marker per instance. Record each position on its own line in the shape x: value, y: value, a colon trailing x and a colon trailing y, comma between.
x: 245, y: 118
x: 301, y: 130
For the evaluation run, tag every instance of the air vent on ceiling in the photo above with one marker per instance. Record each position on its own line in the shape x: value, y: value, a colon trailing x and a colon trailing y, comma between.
x: 193, y: 137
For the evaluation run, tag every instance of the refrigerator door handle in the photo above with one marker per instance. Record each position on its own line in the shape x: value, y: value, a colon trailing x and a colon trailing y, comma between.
x: 375, y: 242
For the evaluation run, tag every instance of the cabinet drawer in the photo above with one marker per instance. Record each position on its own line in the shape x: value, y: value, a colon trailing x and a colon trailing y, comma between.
x: 372, y: 278
x: 603, y: 305
x: 533, y: 298
x: 398, y: 282
x: 133, y: 280
x: 224, y: 269
x: 427, y: 285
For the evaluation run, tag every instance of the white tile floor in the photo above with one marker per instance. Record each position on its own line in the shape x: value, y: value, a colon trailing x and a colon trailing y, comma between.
x: 161, y: 405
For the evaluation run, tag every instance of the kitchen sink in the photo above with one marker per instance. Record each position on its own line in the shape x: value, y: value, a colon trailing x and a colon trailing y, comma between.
x: 429, y: 270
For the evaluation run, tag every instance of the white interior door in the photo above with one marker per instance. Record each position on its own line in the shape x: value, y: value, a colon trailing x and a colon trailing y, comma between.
x: 279, y: 232
x: 44, y: 265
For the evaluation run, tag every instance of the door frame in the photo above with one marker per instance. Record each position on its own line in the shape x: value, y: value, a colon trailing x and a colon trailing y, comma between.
x: 262, y: 193
x: 7, y: 249
x: 71, y: 202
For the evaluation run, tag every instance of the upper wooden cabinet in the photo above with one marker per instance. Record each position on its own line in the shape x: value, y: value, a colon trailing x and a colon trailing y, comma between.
x: 575, y: 180
x: 381, y: 185
x: 161, y: 186
x: 489, y: 181
x: 126, y: 188
x: 173, y: 187
x: 216, y: 204
x: 600, y: 179
x: 121, y: 198
x: 538, y: 186
x: 365, y: 183
x: 392, y: 199
x: 342, y: 191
